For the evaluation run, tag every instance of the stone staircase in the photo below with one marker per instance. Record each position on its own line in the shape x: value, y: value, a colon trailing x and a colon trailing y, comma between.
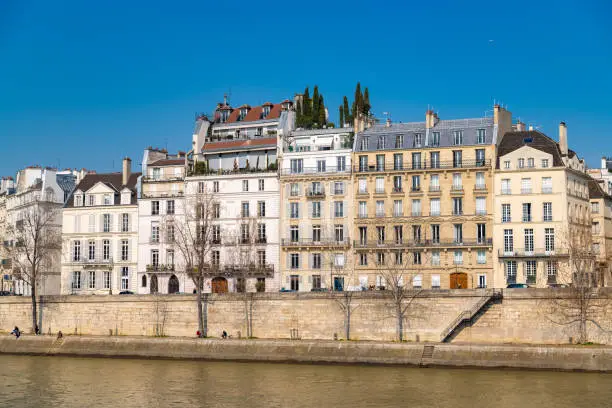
x: 55, y: 346
x: 467, y: 315
x: 427, y: 355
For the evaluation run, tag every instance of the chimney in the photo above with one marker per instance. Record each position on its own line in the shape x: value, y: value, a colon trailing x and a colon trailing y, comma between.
x: 604, y: 163
x: 520, y: 126
x: 563, y: 138
x: 127, y: 170
x: 388, y: 122
x: 224, y: 99
x: 431, y: 119
x: 530, y: 128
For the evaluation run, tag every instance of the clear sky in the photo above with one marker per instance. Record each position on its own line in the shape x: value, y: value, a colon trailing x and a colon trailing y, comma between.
x: 84, y: 83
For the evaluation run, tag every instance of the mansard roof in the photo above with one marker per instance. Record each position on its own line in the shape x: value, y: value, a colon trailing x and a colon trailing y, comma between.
x: 113, y: 180
x: 512, y: 141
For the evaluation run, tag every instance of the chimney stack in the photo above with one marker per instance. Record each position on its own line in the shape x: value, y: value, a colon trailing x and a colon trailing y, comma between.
x: 604, y: 163
x: 530, y: 128
x: 127, y: 170
x: 520, y: 126
x: 563, y: 138
x: 388, y: 122
x: 431, y: 119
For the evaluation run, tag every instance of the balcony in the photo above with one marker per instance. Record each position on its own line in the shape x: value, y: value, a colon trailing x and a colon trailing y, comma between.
x: 216, y: 241
x: 397, y: 190
x: 422, y: 166
x: 534, y: 253
x: 480, y: 188
x: 309, y: 242
x: 456, y: 190
x: 252, y: 270
x: 315, y: 170
x: 163, y: 194
x: 506, y: 191
x: 315, y: 192
x: 160, y: 268
x: 423, y: 243
x: 161, y: 179
x: 416, y: 191
x: 261, y: 240
x: 99, y: 260
x: 481, y: 212
x: 526, y: 191
x: 547, y: 190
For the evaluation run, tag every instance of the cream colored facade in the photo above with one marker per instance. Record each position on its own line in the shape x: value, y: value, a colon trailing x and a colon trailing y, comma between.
x: 425, y: 190
x: 601, y: 227
x: 316, y: 195
x: 541, y: 200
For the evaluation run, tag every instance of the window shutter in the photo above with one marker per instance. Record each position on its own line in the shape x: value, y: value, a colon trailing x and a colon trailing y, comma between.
x: 288, y: 213
x: 288, y: 265
x: 110, y: 222
x: 344, y: 208
x: 287, y: 190
x: 309, y: 278
x: 287, y: 279
x: 299, y: 207
x: 299, y: 189
x: 300, y: 279
x: 310, y: 207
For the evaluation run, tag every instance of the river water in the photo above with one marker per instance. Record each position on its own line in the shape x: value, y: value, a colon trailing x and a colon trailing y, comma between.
x: 27, y: 381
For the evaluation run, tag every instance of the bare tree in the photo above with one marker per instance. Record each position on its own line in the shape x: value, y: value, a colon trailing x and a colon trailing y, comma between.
x: 160, y: 313
x: 346, y: 299
x: 193, y: 237
x: 36, y: 246
x: 399, y: 276
x: 580, y: 300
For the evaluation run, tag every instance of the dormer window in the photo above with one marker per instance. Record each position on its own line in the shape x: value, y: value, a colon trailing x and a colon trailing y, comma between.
x: 457, y: 137
x: 224, y: 115
x: 364, y: 143
x: 381, y: 143
x: 108, y: 199
x: 480, y: 136
x: 91, y: 200
x: 418, y: 140
x: 156, y: 173
x: 399, y: 141
x: 435, y: 139
x: 266, y: 111
x: 126, y: 197
x: 78, y: 200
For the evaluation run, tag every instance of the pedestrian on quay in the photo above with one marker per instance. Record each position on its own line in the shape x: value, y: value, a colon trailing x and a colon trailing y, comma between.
x: 16, y: 332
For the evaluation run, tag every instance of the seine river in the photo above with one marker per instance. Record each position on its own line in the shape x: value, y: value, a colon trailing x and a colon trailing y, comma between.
x: 85, y: 382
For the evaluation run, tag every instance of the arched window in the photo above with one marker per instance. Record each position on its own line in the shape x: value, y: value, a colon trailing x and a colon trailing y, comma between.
x: 144, y: 281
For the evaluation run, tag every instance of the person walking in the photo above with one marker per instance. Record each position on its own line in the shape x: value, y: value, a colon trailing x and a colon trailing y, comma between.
x: 16, y: 332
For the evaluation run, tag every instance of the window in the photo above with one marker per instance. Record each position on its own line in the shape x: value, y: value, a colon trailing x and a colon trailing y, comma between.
x: 481, y: 206
x: 416, y: 233
x: 261, y: 184
x: 457, y: 182
x: 416, y: 208
x: 339, y: 233
x: 480, y: 136
x: 380, y: 258
x: 316, y: 262
x: 244, y: 212
x: 380, y: 185
x: 397, y: 184
x: 316, y: 279
x: 155, y: 257
x: 508, y: 241
x: 76, y: 251
x: 363, y: 259
x: 216, y: 234
x: 526, y: 186
x: 294, y: 261
x: 399, y: 141
x: 526, y: 212
x: 338, y: 188
x: 544, y: 163
x: 170, y: 207
x: 416, y: 258
x: 380, y: 208
x: 106, y: 280
x: 261, y: 257
x: 521, y: 163
x: 595, y: 228
x: 92, y: 250
x: 480, y: 181
x: 434, y: 160
x: 78, y: 200
x: 294, y: 233
x: 381, y: 143
x: 125, y: 222
x: 481, y: 257
x: 261, y: 233
x: 338, y: 209
x: 458, y: 258
x: 215, y: 186
x: 125, y: 278
x: 547, y: 212
x: 341, y: 163
x: 595, y: 208
x: 530, y: 271
x: 380, y: 234
x: 321, y: 166
x: 481, y: 233
x: 416, y: 160
x: 530, y: 162
x: 549, y: 239
x: 416, y: 183
x: 201, y: 187
x: 245, y: 185
x: 154, y: 232
x: 364, y: 143
x: 457, y: 158
x: 505, y: 186
x: 480, y: 157
x: 398, y: 161
x: 398, y: 232
x: 457, y: 137
x: 434, y: 183
x: 107, y: 199
x: 245, y: 235
x: 457, y: 206
x: 170, y: 257
x: 154, y: 207
x: 297, y: 165
x: 551, y: 271
x: 510, y: 271
x: 339, y: 260
x: 418, y: 140
x: 435, y: 233
x: 398, y: 208
x: 106, y: 250
x: 294, y: 210
x: 216, y: 210
x: 261, y: 208
x: 215, y: 258
x: 435, y: 139
x: 507, y: 164
x: 435, y: 259
x: 294, y: 189
x: 380, y: 162
x: 144, y: 281
x: 363, y: 209
x: 363, y: 186
x: 363, y: 235
x: 546, y: 185
x: 91, y: 200
x: 363, y: 163
x: 76, y: 280
x: 529, y: 240
x: 434, y: 207
x: 125, y: 250
x: 458, y: 233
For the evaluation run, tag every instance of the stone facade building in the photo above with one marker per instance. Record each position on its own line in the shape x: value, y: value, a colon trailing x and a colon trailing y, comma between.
x: 316, y: 196
x: 601, y: 229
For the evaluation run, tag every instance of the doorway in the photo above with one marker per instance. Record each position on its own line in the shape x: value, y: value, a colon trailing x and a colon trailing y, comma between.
x: 458, y: 280
x: 173, y: 284
x: 219, y: 285
x: 154, y: 288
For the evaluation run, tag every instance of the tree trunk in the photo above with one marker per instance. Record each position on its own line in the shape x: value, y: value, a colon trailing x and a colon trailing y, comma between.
x: 200, y: 311
x: 34, y: 311
x: 205, y: 316
x: 347, y: 324
x: 400, y: 324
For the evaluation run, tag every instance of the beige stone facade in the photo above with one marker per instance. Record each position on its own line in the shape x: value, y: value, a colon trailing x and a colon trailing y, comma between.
x: 601, y: 228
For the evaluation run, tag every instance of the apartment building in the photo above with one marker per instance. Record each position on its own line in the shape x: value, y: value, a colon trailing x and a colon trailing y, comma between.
x: 7, y: 187
x: 601, y: 228
x: 316, y: 213
x: 161, y: 205
x: 541, y: 200
x: 603, y: 175
x: 37, y: 191
x: 423, y: 190
x: 100, y: 234
x: 235, y: 160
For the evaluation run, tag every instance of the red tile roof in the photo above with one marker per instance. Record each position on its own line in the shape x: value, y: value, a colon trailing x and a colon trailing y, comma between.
x: 168, y: 162
x: 234, y: 144
x: 255, y: 113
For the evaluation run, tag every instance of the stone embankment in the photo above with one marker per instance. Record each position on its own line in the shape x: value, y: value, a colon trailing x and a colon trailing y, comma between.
x: 573, y: 358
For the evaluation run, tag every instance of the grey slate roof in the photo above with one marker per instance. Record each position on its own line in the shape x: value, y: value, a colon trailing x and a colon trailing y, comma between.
x: 469, y: 127
x: 66, y: 182
x: 113, y: 180
x: 512, y: 141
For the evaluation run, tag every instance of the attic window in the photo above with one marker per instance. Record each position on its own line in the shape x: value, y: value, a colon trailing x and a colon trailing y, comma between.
x: 266, y: 111
x: 243, y: 113
x: 527, y: 140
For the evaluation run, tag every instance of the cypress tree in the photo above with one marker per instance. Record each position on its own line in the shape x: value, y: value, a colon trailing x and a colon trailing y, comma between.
x: 358, y: 102
x: 341, y: 115
x: 315, y: 105
x: 366, y: 102
x: 321, y: 107
x: 307, y: 107
x: 347, y: 114
x: 298, y: 114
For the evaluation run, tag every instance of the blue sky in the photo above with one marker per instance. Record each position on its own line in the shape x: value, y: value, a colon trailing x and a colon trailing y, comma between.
x: 83, y: 84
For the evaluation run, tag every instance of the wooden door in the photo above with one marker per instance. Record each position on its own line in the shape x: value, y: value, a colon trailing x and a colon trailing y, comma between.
x: 219, y: 285
x: 458, y: 280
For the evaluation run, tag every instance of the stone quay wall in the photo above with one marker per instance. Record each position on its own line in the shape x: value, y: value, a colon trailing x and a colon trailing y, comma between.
x: 518, y: 318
